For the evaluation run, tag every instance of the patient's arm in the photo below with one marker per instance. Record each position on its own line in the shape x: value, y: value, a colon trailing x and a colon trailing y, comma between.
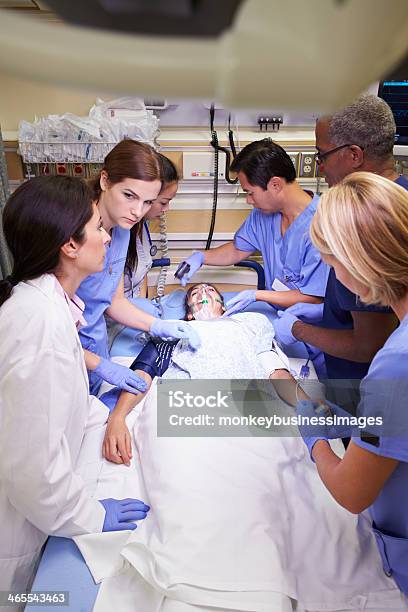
x: 117, y: 444
x: 152, y: 361
x: 276, y: 366
x: 285, y: 386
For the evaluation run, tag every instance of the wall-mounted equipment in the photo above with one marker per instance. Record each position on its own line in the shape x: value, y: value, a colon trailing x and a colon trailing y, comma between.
x: 270, y: 121
x: 395, y: 93
x: 307, y: 165
x: 199, y: 166
x: 155, y: 104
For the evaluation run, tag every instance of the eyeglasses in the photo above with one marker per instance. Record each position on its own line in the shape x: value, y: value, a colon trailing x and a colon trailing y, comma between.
x: 320, y: 157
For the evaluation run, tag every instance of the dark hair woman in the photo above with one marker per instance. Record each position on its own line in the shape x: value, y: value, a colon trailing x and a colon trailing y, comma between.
x: 55, y: 235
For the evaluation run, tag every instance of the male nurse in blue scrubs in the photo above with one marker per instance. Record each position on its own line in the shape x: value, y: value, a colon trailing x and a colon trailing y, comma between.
x: 359, y: 137
x: 278, y: 227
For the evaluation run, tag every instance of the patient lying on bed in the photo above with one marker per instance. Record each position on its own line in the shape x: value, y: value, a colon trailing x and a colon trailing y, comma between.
x: 236, y: 523
x: 240, y: 346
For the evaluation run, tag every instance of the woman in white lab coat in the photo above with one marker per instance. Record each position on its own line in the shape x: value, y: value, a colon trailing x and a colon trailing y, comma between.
x: 55, y: 235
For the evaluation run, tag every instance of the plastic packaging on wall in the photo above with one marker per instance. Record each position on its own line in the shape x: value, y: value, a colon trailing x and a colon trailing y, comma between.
x: 71, y: 138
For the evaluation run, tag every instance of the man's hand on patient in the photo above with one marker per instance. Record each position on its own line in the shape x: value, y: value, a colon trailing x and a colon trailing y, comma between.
x: 117, y: 444
x: 308, y: 313
x: 195, y: 261
x: 240, y: 301
x: 121, y: 513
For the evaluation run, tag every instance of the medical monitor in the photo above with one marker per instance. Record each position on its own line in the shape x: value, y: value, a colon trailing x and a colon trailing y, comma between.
x: 395, y: 93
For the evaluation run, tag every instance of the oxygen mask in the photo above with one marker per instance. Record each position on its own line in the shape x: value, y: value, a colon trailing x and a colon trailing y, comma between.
x: 204, y: 303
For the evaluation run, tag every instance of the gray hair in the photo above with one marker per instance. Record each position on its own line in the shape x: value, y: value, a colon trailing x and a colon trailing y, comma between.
x: 368, y: 122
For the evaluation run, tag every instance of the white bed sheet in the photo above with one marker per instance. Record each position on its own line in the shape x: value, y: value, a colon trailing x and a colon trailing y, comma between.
x: 238, y: 522
x: 329, y: 556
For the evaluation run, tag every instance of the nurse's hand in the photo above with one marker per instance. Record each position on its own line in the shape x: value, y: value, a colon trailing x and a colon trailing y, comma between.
x: 322, y: 431
x: 309, y: 313
x: 240, y: 301
x: 117, y: 443
x: 172, y: 330
x: 195, y: 261
x: 120, y: 376
x: 120, y: 513
x: 283, y: 327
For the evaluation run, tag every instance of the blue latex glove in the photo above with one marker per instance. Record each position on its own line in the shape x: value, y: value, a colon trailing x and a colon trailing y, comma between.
x: 321, y: 431
x: 195, y: 261
x: 120, y: 376
x: 240, y: 301
x: 171, y: 330
x: 111, y: 397
x: 309, y: 313
x: 120, y: 513
x: 283, y: 327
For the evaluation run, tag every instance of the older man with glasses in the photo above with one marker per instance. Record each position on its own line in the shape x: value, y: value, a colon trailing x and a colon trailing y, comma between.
x: 348, y: 332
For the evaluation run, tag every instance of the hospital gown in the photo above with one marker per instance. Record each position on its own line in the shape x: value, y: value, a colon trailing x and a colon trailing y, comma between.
x: 229, y: 349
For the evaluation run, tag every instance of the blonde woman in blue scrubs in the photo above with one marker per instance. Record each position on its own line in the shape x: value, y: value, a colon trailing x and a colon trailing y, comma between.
x: 361, y: 230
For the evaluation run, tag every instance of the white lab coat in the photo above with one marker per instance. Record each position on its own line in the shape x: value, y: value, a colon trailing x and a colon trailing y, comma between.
x: 45, y: 410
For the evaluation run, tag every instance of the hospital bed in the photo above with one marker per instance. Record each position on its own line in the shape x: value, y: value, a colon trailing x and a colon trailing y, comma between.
x: 62, y: 567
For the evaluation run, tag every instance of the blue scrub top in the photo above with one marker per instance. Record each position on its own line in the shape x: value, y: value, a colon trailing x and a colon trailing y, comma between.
x: 97, y: 292
x: 339, y: 303
x: 292, y: 259
x: 385, y: 392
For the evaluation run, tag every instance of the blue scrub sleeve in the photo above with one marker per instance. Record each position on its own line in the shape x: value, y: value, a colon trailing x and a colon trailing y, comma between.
x: 393, y: 448
x: 247, y: 236
x: 315, y: 272
x: 384, y: 395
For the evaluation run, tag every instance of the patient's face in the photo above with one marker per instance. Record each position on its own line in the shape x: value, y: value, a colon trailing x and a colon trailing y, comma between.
x: 204, y: 303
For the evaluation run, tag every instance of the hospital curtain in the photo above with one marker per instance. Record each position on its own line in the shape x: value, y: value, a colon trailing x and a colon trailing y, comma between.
x: 5, y: 258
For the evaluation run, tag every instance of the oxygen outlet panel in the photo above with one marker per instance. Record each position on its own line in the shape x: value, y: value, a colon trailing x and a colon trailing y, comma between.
x: 200, y: 166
